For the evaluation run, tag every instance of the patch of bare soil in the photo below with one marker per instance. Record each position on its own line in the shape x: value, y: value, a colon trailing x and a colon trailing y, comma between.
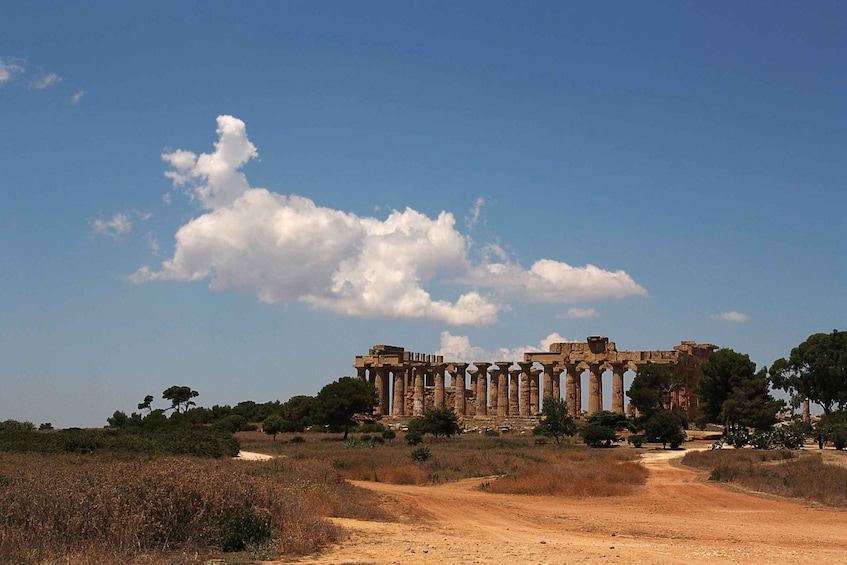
x: 675, y: 518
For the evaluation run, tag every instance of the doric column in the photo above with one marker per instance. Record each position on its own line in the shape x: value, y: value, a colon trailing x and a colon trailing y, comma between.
x: 595, y: 388
x: 525, y: 388
x: 439, y: 388
x: 493, y: 392
x: 399, y: 391
x: 502, y: 388
x: 577, y: 385
x: 571, y: 382
x: 807, y: 413
x: 418, y: 401
x: 361, y: 373
x: 458, y: 381
x: 515, y: 392
x: 481, y: 388
x: 617, y: 387
x: 557, y: 382
x: 548, y: 381
x: 534, y: 377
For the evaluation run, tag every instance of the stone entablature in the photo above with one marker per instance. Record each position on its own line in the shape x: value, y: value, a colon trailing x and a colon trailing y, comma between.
x: 407, y: 382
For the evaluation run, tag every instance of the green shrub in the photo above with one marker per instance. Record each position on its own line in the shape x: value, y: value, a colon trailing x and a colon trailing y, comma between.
x: 492, y: 433
x: 637, y: 440
x: 240, y: 528
x: 297, y: 439
x: 389, y: 434
x: 598, y: 436
x: 421, y: 454
x: 414, y: 438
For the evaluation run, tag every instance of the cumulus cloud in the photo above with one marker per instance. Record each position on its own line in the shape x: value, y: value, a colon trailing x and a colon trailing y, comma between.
x: 77, y: 97
x: 10, y: 69
x: 574, y: 313
x: 286, y: 247
x: 119, y: 224
x: 459, y: 348
x: 45, y: 80
x: 732, y: 316
x: 554, y: 282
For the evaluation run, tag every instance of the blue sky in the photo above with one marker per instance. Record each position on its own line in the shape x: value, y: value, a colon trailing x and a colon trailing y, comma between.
x: 449, y: 177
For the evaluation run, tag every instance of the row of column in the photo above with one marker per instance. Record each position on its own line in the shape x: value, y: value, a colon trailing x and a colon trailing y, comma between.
x: 508, y: 392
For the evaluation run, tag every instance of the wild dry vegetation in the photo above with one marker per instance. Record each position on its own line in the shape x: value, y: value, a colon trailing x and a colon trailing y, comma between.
x: 100, y: 509
x: 106, y: 508
x: 791, y: 474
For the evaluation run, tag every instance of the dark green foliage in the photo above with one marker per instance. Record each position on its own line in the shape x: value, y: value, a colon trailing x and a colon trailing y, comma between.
x: 414, y: 438
x: 389, y: 434
x: 637, y: 440
x: 832, y: 427
x: 555, y: 421
x: 14, y: 427
x: 665, y: 427
x: 652, y: 388
x: 338, y: 402
x: 297, y: 439
x: 242, y: 527
x: 371, y: 428
x: 609, y: 419
x: 737, y: 438
x: 598, y: 436
x: 231, y: 424
x: 180, y: 397
x: 439, y: 422
x: 45, y: 426
x: 421, y: 454
x: 816, y: 369
x: 168, y: 440
x: 734, y: 394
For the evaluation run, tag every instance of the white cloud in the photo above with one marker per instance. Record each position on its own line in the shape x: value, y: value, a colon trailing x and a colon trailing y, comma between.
x: 473, y: 216
x: 574, y: 313
x: 554, y: 282
x: 77, y: 97
x: 119, y: 224
x: 732, y: 316
x: 459, y: 348
x: 286, y: 247
x: 45, y: 81
x: 167, y: 199
x: 10, y: 69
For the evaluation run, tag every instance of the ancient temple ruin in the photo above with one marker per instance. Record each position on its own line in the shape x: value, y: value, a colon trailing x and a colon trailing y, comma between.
x: 407, y: 383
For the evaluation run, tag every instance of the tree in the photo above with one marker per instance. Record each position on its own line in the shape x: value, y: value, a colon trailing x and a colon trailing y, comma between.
x: 609, y: 419
x: 598, y: 436
x: 273, y: 425
x: 734, y: 394
x: 338, y: 402
x: 817, y: 370
x: 118, y: 420
x: 148, y: 400
x: 555, y: 421
x: 652, y: 388
x: 180, y: 397
x: 436, y: 421
x: 666, y: 428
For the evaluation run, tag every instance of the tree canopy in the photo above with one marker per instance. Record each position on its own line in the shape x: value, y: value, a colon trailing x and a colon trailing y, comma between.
x: 733, y: 393
x: 180, y: 397
x: 436, y: 421
x: 816, y: 369
x: 665, y: 427
x: 555, y: 421
x: 339, y: 401
x: 652, y: 387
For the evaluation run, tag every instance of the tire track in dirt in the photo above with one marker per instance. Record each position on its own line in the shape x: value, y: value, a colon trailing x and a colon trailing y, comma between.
x: 675, y: 518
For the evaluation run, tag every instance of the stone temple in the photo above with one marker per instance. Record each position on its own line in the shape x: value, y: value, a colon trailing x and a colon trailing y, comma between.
x: 407, y: 383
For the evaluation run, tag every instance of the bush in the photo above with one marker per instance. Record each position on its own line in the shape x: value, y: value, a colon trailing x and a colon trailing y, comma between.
x: 414, y: 438
x: 389, y: 434
x: 665, y: 427
x: 371, y: 428
x: 737, y: 438
x: 242, y: 528
x: 297, y: 439
x: 421, y: 454
x: 494, y: 433
x: 637, y: 440
x: 365, y: 438
x: 598, y: 436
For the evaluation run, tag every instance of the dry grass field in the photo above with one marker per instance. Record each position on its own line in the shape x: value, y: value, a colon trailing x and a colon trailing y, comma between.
x: 476, y: 499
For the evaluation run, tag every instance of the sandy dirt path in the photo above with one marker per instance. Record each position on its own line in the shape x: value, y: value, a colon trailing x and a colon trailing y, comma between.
x: 674, y: 518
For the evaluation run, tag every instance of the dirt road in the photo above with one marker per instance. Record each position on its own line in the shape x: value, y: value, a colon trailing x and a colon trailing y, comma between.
x: 674, y: 518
